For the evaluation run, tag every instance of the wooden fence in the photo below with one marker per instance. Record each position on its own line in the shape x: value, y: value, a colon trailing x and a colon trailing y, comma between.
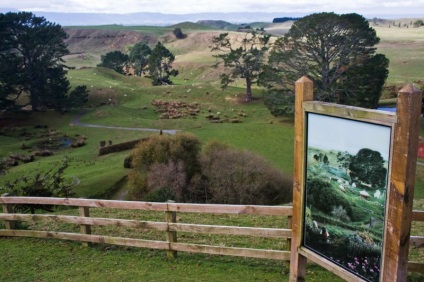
x: 417, y: 242
x: 171, y: 227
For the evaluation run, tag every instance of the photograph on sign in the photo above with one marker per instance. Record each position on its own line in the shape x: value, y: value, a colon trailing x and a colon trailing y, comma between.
x: 345, y: 194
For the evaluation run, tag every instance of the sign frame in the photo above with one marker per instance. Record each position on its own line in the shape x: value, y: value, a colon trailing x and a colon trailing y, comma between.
x: 400, y: 189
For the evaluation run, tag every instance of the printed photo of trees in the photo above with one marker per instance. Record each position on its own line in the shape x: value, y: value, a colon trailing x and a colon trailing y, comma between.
x: 346, y: 179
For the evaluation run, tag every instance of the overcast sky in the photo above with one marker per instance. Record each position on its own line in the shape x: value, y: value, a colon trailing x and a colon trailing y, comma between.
x: 330, y: 133
x: 285, y: 7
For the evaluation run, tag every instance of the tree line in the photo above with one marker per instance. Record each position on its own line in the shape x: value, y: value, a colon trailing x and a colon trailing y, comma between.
x: 155, y: 63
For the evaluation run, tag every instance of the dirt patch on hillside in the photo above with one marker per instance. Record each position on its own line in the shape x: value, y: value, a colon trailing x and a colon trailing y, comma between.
x: 103, y: 41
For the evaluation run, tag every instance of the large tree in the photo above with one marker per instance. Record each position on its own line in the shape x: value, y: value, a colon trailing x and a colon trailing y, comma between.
x: 114, y: 60
x: 337, y: 52
x: 139, y: 57
x: 31, y: 52
x: 368, y: 166
x: 160, y: 65
x: 244, y: 58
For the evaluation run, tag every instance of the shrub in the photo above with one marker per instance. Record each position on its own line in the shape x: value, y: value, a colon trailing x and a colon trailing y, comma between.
x: 322, y: 196
x: 128, y: 162
x: 340, y: 213
x: 232, y: 176
x: 178, y: 153
x: 179, y: 33
x: 169, y: 178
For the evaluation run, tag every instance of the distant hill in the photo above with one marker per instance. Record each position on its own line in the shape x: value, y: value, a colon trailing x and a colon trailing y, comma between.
x: 218, y: 24
x: 191, y: 25
x: 159, y: 19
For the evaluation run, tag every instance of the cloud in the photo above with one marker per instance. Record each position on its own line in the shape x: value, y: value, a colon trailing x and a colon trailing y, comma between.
x: 200, y: 6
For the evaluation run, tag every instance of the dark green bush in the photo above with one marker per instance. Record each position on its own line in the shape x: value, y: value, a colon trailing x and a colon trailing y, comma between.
x: 322, y: 196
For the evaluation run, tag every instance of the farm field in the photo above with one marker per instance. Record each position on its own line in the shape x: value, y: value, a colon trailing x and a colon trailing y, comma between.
x: 121, y: 101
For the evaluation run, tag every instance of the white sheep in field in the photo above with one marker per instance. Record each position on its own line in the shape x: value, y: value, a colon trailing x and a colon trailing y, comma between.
x: 342, y: 188
x: 377, y: 194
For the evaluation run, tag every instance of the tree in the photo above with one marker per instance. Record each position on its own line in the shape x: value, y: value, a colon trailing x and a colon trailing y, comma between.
x: 31, y: 51
x: 179, y: 33
x: 368, y: 166
x: 244, y: 58
x: 364, y: 83
x: 139, y: 57
x: 418, y: 23
x: 114, y: 60
x: 160, y: 65
x: 337, y: 52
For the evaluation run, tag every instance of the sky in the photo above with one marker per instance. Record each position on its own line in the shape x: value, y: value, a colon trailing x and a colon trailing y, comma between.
x: 285, y: 7
x: 329, y: 133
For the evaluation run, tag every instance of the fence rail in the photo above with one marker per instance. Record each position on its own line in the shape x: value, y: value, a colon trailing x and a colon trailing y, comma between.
x: 416, y: 242
x: 171, y: 227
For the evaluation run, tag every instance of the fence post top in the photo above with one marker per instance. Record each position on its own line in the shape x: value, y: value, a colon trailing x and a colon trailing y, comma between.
x: 303, y: 79
x: 410, y: 88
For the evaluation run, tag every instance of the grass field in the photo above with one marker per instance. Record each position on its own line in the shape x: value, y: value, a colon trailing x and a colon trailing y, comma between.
x: 117, y: 100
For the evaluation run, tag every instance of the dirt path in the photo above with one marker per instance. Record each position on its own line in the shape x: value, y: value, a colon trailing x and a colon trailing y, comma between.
x: 75, y: 121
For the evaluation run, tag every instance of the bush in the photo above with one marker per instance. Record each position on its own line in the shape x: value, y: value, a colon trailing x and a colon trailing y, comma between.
x: 170, y: 176
x: 232, y: 176
x: 167, y: 168
x: 179, y: 33
x: 323, y: 197
x: 172, y: 154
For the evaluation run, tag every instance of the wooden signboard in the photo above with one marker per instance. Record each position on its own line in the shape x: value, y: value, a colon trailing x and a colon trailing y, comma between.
x: 353, y: 186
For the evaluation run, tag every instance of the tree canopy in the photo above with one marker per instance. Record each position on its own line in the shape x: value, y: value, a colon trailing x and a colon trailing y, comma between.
x: 337, y: 52
x: 244, y: 58
x: 139, y: 57
x: 31, y: 52
x: 114, y: 60
x: 160, y: 65
x: 368, y: 166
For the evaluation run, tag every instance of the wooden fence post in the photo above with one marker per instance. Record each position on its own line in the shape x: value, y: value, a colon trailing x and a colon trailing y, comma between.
x: 84, y: 228
x: 304, y: 92
x: 9, y: 224
x: 289, y: 226
x: 171, y: 236
x: 402, y: 182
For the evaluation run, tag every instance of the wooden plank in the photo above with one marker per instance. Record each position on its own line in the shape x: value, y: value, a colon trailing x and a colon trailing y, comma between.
x: 401, y: 185
x: 227, y: 251
x: 417, y: 215
x: 161, y: 226
x: 416, y: 267
x: 350, y: 112
x: 128, y: 205
x: 346, y: 275
x: 87, y: 238
x: 417, y: 241
x: 231, y: 230
x: 304, y: 93
x: 231, y: 209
